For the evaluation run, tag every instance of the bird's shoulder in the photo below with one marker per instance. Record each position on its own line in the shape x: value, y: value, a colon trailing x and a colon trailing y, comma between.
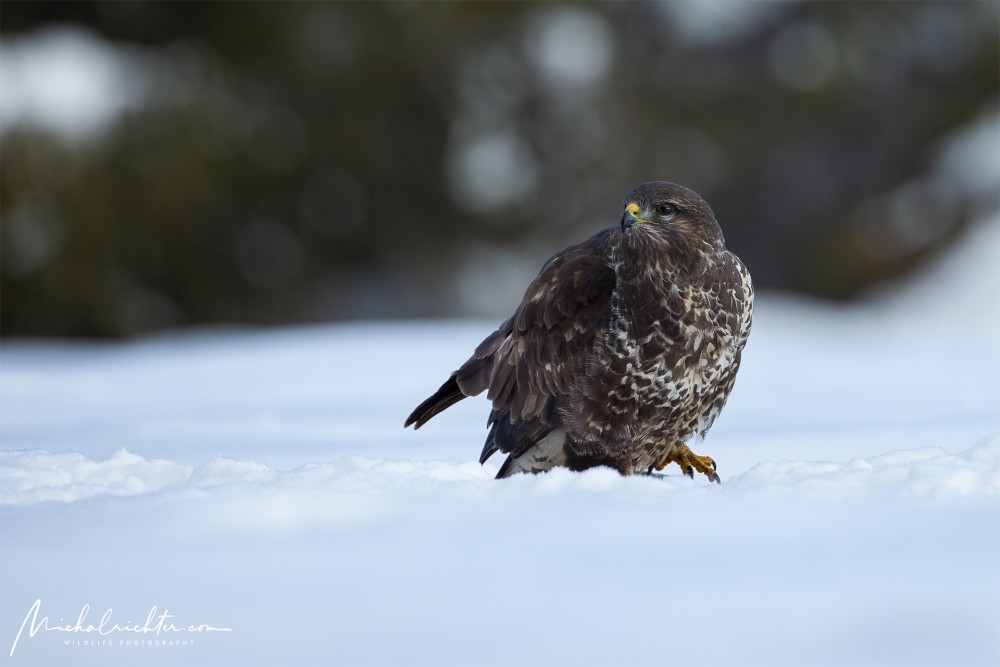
x: 735, y: 295
x: 538, y: 354
x: 575, y: 279
x: 733, y: 273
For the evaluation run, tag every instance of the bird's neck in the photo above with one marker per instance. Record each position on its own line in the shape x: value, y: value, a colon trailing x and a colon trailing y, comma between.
x: 653, y: 277
x: 640, y: 257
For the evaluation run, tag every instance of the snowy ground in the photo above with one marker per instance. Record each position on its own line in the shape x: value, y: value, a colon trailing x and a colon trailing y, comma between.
x: 261, y: 481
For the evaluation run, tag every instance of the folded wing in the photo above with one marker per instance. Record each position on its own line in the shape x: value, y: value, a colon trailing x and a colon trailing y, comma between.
x: 529, y: 363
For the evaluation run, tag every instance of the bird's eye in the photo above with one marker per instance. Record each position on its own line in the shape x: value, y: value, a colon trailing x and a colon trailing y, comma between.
x: 665, y: 209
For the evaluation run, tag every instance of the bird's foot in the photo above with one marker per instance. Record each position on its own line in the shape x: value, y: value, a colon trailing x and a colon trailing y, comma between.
x: 689, y: 462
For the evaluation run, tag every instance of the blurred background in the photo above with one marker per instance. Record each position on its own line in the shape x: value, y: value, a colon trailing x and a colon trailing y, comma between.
x: 166, y: 165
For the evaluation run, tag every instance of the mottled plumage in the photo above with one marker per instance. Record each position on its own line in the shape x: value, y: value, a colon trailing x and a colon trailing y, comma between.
x: 624, y: 347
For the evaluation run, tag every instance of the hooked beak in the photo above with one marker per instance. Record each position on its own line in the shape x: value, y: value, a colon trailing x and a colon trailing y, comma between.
x: 631, y: 216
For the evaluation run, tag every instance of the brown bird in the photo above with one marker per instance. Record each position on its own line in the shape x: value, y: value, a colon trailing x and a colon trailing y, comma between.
x: 624, y: 347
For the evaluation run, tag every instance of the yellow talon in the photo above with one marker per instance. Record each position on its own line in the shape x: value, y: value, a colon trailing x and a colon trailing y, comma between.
x: 689, y: 462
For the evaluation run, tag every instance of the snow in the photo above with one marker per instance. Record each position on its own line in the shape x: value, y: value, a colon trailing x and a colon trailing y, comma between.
x: 261, y: 481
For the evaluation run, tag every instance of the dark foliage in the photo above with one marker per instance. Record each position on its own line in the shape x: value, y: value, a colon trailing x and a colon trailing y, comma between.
x: 307, y: 161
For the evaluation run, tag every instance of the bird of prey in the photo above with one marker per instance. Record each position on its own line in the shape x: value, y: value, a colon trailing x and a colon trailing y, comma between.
x: 624, y: 347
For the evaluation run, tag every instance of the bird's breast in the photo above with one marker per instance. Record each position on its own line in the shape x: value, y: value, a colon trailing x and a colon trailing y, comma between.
x: 675, y: 336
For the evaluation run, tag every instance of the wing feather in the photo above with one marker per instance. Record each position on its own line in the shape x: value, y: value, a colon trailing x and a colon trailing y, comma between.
x: 534, y: 357
x: 549, y: 344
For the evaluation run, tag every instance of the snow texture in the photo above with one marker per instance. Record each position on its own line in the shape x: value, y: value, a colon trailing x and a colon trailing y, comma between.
x: 261, y: 481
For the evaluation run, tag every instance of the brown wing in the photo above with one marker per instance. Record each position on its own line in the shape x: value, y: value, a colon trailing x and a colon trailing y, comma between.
x: 533, y: 357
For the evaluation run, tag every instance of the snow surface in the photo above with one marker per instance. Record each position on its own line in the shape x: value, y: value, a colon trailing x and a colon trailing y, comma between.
x: 261, y: 481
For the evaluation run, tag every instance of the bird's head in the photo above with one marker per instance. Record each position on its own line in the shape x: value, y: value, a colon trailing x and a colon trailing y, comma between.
x: 672, y: 213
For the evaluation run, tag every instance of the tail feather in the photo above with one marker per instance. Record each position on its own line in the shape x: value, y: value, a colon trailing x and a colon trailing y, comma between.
x: 491, y: 447
x: 469, y: 380
x: 448, y: 395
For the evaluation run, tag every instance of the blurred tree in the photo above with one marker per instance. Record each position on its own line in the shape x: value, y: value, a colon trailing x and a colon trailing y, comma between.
x: 274, y: 162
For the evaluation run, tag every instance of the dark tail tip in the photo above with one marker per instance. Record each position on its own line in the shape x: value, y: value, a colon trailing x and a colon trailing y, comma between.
x: 448, y: 395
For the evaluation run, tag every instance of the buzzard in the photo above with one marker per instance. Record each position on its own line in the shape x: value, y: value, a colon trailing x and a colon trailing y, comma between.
x: 624, y: 347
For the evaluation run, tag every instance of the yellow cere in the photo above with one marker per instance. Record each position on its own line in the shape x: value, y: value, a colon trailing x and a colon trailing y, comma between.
x: 634, y: 209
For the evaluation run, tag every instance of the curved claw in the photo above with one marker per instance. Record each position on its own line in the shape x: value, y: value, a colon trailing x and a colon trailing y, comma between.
x: 689, y: 462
